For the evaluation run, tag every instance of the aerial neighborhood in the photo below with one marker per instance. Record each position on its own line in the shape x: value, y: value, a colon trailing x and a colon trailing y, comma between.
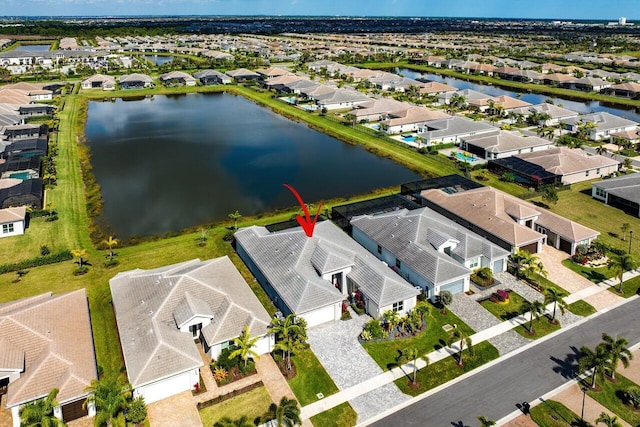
x: 492, y: 228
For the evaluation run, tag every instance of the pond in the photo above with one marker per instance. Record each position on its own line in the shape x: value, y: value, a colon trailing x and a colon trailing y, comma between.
x: 158, y: 59
x: 171, y: 162
x: 533, y: 98
x: 35, y: 47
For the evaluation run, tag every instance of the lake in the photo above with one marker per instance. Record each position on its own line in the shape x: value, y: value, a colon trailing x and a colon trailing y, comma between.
x: 171, y: 162
x: 158, y: 59
x: 35, y: 47
x: 533, y: 98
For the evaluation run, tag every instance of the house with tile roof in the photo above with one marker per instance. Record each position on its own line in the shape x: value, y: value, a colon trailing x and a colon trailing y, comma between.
x: 13, y: 221
x: 99, y: 81
x: 411, y: 119
x: 45, y: 343
x: 242, y: 74
x: 312, y: 276
x: 604, y: 124
x: 212, y: 77
x: 554, y: 112
x: 503, y: 144
x: 377, y: 109
x: 427, y: 249
x: 454, y: 129
x: 622, y: 192
x: 135, y: 81
x: 177, y: 78
x: 162, y: 312
x: 508, y: 221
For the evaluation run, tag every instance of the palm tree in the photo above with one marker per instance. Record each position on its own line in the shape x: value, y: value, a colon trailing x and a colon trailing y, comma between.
x: 608, y: 420
x: 486, y: 422
x: 617, y: 350
x: 245, y: 346
x: 287, y: 333
x: 597, y: 360
x: 464, y: 339
x: 235, y: 217
x: 551, y: 295
x: 286, y: 413
x: 391, y: 317
x: 411, y: 355
x: 109, y: 395
x: 81, y: 254
x: 110, y: 242
x: 618, y: 264
x: 601, y: 150
x: 536, y: 308
x: 537, y: 268
x: 521, y: 259
x: 625, y: 227
x: 243, y: 421
x: 39, y: 413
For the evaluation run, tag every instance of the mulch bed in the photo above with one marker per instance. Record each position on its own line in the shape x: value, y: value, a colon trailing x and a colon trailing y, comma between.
x: 287, y: 373
x: 234, y: 374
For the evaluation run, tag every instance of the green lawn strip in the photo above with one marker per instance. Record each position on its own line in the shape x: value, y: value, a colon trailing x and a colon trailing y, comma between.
x: 553, y: 414
x: 505, y: 310
x: 447, y: 369
x: 581, y: 308
x: 342, y: 415
x: 629, y: 287
x: 610, y: 396
x: 252, y: 404
x: 523, y: 87
x: 311, y: 378
x: 433, y: 337
x: 541, y: 327
x: 596, y: 275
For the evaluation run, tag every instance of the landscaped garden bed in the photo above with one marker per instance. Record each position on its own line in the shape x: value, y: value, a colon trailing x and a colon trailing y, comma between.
x: 229, y: 369
x: 630, y: 287
x: 611, y: 395
x: 540, y: 327
x: 252, y: 402
x: 553, y: 414
x: 505, y: 309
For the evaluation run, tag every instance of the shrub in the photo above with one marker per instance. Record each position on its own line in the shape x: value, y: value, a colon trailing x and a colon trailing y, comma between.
x: 374, y: 328
x: 346, y: 315
x: 508, y: 177
x: 37, y: 262
x: 44, y: 250
x: 220, y: 374
x: 366, y: 335
x: 224, y: 361
x: 137, y: 411
x: 482, y: 276
x: 633, y: 396
x: 358, y: 309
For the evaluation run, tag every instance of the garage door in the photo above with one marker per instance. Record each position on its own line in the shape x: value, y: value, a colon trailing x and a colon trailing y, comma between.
x: 498, y: 266
x: 73, y: 411
x: 565, y: 245
x: 532, y: 248
x: 454, y: 288
x: 319, y: 316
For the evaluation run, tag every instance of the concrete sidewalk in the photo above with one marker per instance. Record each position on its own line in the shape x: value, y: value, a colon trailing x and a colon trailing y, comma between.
x: 435, y: 356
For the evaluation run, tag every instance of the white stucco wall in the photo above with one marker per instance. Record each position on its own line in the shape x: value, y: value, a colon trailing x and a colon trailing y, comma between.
x: 162, y: 389
x: 324, y: 314
x: 18, y: 229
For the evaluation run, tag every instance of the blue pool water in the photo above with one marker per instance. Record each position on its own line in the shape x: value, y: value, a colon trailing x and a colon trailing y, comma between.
x: 408, y: 138
x: 20, y: 175
x: 465, y: 158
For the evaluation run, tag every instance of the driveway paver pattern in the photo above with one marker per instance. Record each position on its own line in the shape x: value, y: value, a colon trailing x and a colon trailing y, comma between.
x: 178, y: 410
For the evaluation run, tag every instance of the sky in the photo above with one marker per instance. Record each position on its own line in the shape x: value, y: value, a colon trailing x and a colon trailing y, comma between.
x: 549, y: 9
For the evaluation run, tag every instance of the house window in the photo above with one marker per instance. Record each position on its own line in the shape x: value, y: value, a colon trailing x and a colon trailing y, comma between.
x: 398, y: 306
x: 7, y: 228
x: 379, y: 249
x: 601, y: 193
x: 586, y: 173
x: 475, y: 263
x: 398, y: 263
x: 598, y: 171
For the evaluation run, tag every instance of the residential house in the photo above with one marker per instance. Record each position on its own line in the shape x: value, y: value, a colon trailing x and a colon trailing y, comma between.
x: 177, y: 78
x: 267, y: 73
x: 99, y: 81
x: 340, y: 99
x: 18, y: 192
x: 161, y: 313
x: 212, y: 77
x: 622, y: 192
x: 312, y: 276
x: 13, y: 221
x: 554, y: 112
x: 46, y: 343
x: 503, y: 102
x: 508, y: 221
x: 411, y: 119
x: 242, y: 74
x: 135, y: 81
x: 587, y: 84
x: 468, y: 95
x: 377, y: 109
x: 604, y: 124
x: 436, y: 88
x: 632, y: 136
x: 427, y: 249
x: 627, y: 90
x: 503, y: 144
x: 453, y: 129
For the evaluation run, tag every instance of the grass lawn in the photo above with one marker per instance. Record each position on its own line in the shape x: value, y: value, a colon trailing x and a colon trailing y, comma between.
x: 596, y: 275
x: 342, y: 415
x: 447, y: 369
x: 610, y: 397
x: 581, y: 308
x: 252, y: 404
x: 541, y: 327
x: 629, y: 287
x: 311, y: 378
x: 505, y: 310
x: 430, y: 339
x: 553, y: 414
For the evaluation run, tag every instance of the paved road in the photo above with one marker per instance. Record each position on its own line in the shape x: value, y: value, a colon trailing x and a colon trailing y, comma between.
x: 496, y: 391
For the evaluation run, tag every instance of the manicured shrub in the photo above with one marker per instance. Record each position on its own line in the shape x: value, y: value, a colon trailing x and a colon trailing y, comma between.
x: 37, y: 262
x: 44, y: 250
x: 633, y: 396
x: 374, y: 329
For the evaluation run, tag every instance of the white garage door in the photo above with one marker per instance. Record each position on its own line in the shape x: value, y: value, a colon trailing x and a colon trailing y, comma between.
x: 319, y: 316
x: 454, y: 288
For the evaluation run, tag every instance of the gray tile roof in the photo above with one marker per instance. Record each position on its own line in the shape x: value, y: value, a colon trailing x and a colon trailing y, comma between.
x: 564, y: 161
x: 626, y: 186
x: 602, y: 120
x: 414, y: 236
x: 456, y: 125
x: 285, y: 259
x: 149, y: 304
x: 505, y: 141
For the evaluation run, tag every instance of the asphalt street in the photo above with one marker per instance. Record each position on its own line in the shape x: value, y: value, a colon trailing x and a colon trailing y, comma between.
x: 502, y: 388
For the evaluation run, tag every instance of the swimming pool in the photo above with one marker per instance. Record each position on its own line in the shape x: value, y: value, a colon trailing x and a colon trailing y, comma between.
x: 466, y: 158
x: 408, y: 138
x: 20, y: 175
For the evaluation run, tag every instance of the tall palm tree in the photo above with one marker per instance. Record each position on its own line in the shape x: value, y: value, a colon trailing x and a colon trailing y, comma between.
x: 601, y: 150
x: 39, y: 413
x: 485, y: 422
x: 536, y: 268
x: 245, y: 346
x: 535, y: 308
x: 551, y: 295
x: 243, y: 421
x: 391, y: 317
x: 287, y: 335
x: 110, y: 242
x: 109, y: 395
x: 81, y: 254
x: 617, y: 350
x: 411, y: 354
x: 235, y: 217
x: 286, y: 413
x: 597, y: 360
x: 618, y: 264
x: 608, y: 420
x: 463, y: 339
x: 521, y: 259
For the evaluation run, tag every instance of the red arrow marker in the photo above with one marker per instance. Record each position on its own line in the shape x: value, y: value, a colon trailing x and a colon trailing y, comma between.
x: 306, y: 223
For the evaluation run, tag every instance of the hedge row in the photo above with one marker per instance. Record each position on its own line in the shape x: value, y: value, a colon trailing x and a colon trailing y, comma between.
x: 37, y: 262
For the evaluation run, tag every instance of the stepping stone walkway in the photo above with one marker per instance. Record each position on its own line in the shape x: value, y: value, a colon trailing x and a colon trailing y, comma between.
x: 337, y: 348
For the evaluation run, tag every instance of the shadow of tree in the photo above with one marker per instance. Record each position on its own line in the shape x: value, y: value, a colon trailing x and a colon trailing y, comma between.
x: 567, y: 367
